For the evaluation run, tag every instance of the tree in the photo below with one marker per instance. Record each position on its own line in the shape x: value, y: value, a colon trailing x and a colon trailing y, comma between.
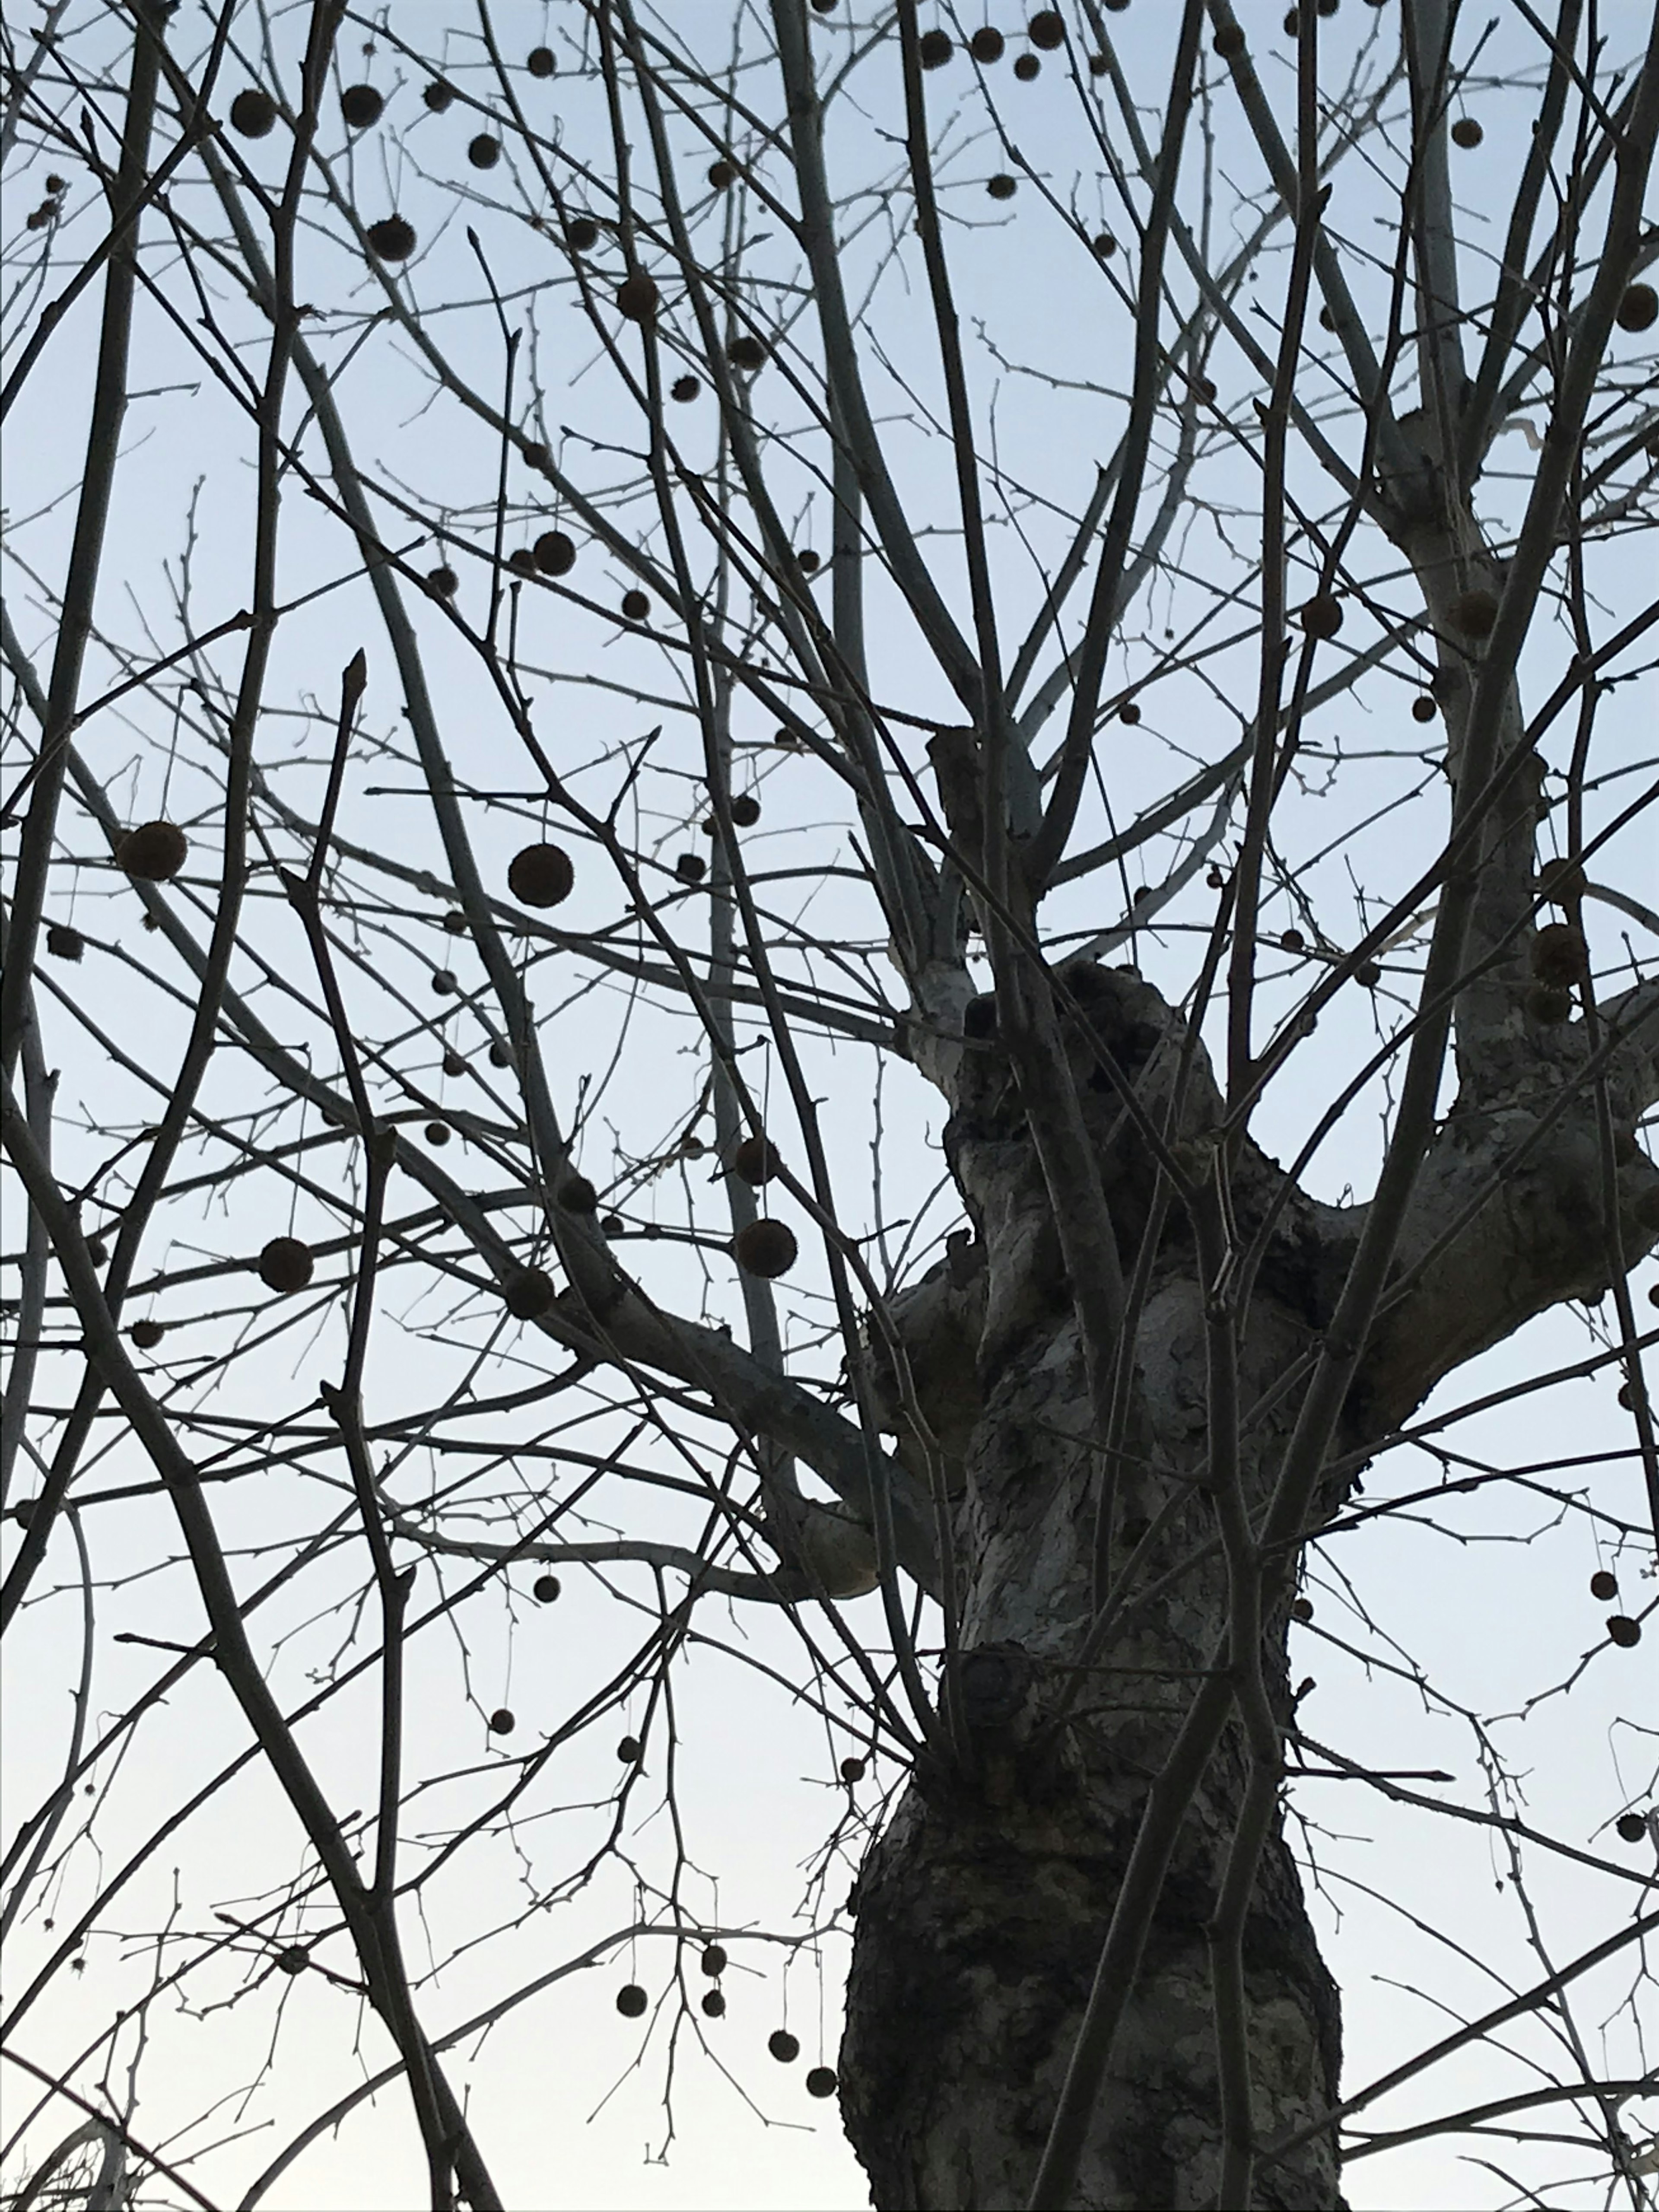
x: 1074, y: 572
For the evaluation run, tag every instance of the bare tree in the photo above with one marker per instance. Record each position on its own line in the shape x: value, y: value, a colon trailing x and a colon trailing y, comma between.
x: 612, y: 646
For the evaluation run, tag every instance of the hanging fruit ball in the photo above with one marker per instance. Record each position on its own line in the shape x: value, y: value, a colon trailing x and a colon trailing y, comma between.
x: 1229, y: 42
x: 578, y: 1195
x: 581, y: 234
x: 987, y: 45
x: 979, y: 1017
x: 1046, y: 29
x: 1604, y: 1585
x: 554, y: 553
x: 1633, y: 1828
x: 1214, y: 879
x: 541, y: 875
x: 852, y: 1770
x: 723, y: 176
x: 1293, y: 23
x: 684, y: 388
x: 97, y: 1250
x: 1562, y: 880
x: 293, y: 1960
x: 746, y: 353
x: 66, y: 943
x: 1547, y: 1006
x: 286, y: 1264
x: 745, y: 810
x: 714, y: 1961
x: 1423, y: 709
x: 764, y: 1247
x: 714, y: 2004
x: 1103, y: 245
x: 453, y: 1064
x: 1301, y: 1608
x: 539, y: 61
x: 1292, y: 940
x: 522, y: 560
x: 637, y: 297
x: 438, y: 96
x: 443, y: 583
x: 483, y: 151
x: 1129, y: 712
x: 147, y: 1334
x: 691, y: 867
x: 1475, y: 612
x: 1322, y: 615
x: 934, y: 49
x: 501, y: 1052
x: 545, y: 1589
x: 437, y: 1133
x: 636, y: 606
x: 1560, y: 955
x: 360, y: 105
x: 822, y: 2082
x: 153, y: 852
x: 455, y: 922
x: 1622, y: 1631
x: 392, y: 238
x: 1001, y: 187
x: 808, y: 561
x: 253, y: 112
x: 783, y: 2046
x: 613, y: 1224
x: 755, y: 1162
x: 1636, y: 310
x: 527, y: 1293
x: 1368, y: 974
x: 502, y: 1722
x: 631, y: 2001
x: 1026, y: 66
x: 630, y: 1750
x: 1466, y: 131
x: 443, y: 982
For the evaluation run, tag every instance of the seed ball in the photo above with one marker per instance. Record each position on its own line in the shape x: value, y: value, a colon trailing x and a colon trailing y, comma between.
x: 438, y: 96
x: 286, y: 1264
x: 541, y: 875
x: 1026, y: 66
x: 455, y: 923
x: 1561, y: 880
x: 443, y: 583
x: 1368, y: 974
x: 581, y: 234
x: 747, y: 354
x: 637, y: 298
x: 987, y: 45
x: 392, y: 238
x: 934, y: 49
x: 1633, y: 1828
x: 437, y: 1133
x: 1547, y: 1006
x: 852, y: 1770
x: 527, y: 1293
x: 808, y: 561
x: 1322, y: 615
x: 153, y: 852
x: 692, y: 1148
x: 635, y: 606
x: 1046, y: 29
x: 1475, y: 613
x: 1292, y: 940
x: 630, y: 1750
x: 714, y: 2004
x: 361, y: 105
x: 823, y: 7
x: 631, y: 2001
x: 613, y: 1224
x: 714, y: 1960
x: 553, y: 553
x: 1104, y: 247
x: 745, y: 810
x: 1293, y: 23
x: 483, y: 151
x: 293, y: 1960
x: 545, y: 1589
x: 765, y: 1248
x: 1423, y: 709
x: 822, y: 2082
x: 539, y: 61
x: 755, y: 1162
x: 1229, y: 42
x: 1560, y: 955
x: 501, y: 1054
x: 97, y: 1251
x: 1636, y: 310
x: 253, y: 113
x: 685, y: 389
x: 783, y: 2046
x: 147, y: 1334
x: 1604, y: 1585
x: 1327, y: 320
x: 691, y: 867
x: 502, y: 1722
x: 721, y: 175
x: 68, y: 944
x: 578, y: 1195
x: 979, y: 1017
x: 1623, y: 1631
x: 443, y: 982
x: 1302, y: 1608
x: 1466, y: 131
x: 1129, y: 712
x: 1215, y: 880
x: 453, y: 1064
x: 522, y: 560
x: 1002, y: 187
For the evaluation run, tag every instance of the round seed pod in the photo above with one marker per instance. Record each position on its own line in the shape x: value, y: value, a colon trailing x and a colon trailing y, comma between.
x: 822, y: 2082
x: 691, y: 867
x: 630, y: 1750
x: 987, y: 45
x: 1466, y: 131
x: 501, y: 1052
x: 712, y: 2004
x: 483, y: 151
x: 1560, y: 955
x: 747, y: 354
x: 979, y: 1016
x: 292, y: 1961
x: 613, y: 1224
x: 1368, y: 974
x: 723, y: 176
x: 153, y: 852
x: 745, y: 810
x: 502, y: 1722
x: 1129, y: 712
x: 765, y: 1248
x: 286, y: 1264
x: 685, y: 389
x: 1026, y: 66
x: 443, y: 583
x: 253, y: 112
x: 527, y: 1293
x: 1633, y: 1828
x: 1561, y: 880
x: 852, y: 1770
x: 1229, y: 41
x: 637, y: 298
x: 631, y: 2001
x: 541, y: 875
x: 443, y: 982
x: 581, y: 234
x: 97, y: 1251
x: 783, y: 2046
x: 1475, y: 612
x: 1046, y: 29
x: 1549, y: 1006
x: 539, y: 61
x: 522, y: 560
x: 545, y: 1589
x: 1604, y: 1585
x: 392, y: 238
x: 1637, y: 308
x: 438, y: 96
x: 1001, y: 187
x: 453, y: 1064
x: 808, y: 561
x: 692, y: 1148
x: 1301, y: 1608
x: 1623, y: 1631
x: 1322, y: 615
x: 437, y: 1133
x: 455, y: 922
x: 714, y: 1961
x: 755, y: 1162
x: 823, y: 7
x: 1292, y: 940
x: 1293, y: 23
x: 1423, y: 709
x: 1103, y: 245
x: 1627, y: 1397
x: 578, y: 1195
x: 147, y: 1334
x: 934, y: 49
x: 66, y: 943
x: 360, y: 105
x: 554, y: 553
x: 635, y: 606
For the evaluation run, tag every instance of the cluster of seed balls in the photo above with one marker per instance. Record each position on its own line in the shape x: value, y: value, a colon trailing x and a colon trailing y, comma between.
x: 632, y: 2001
